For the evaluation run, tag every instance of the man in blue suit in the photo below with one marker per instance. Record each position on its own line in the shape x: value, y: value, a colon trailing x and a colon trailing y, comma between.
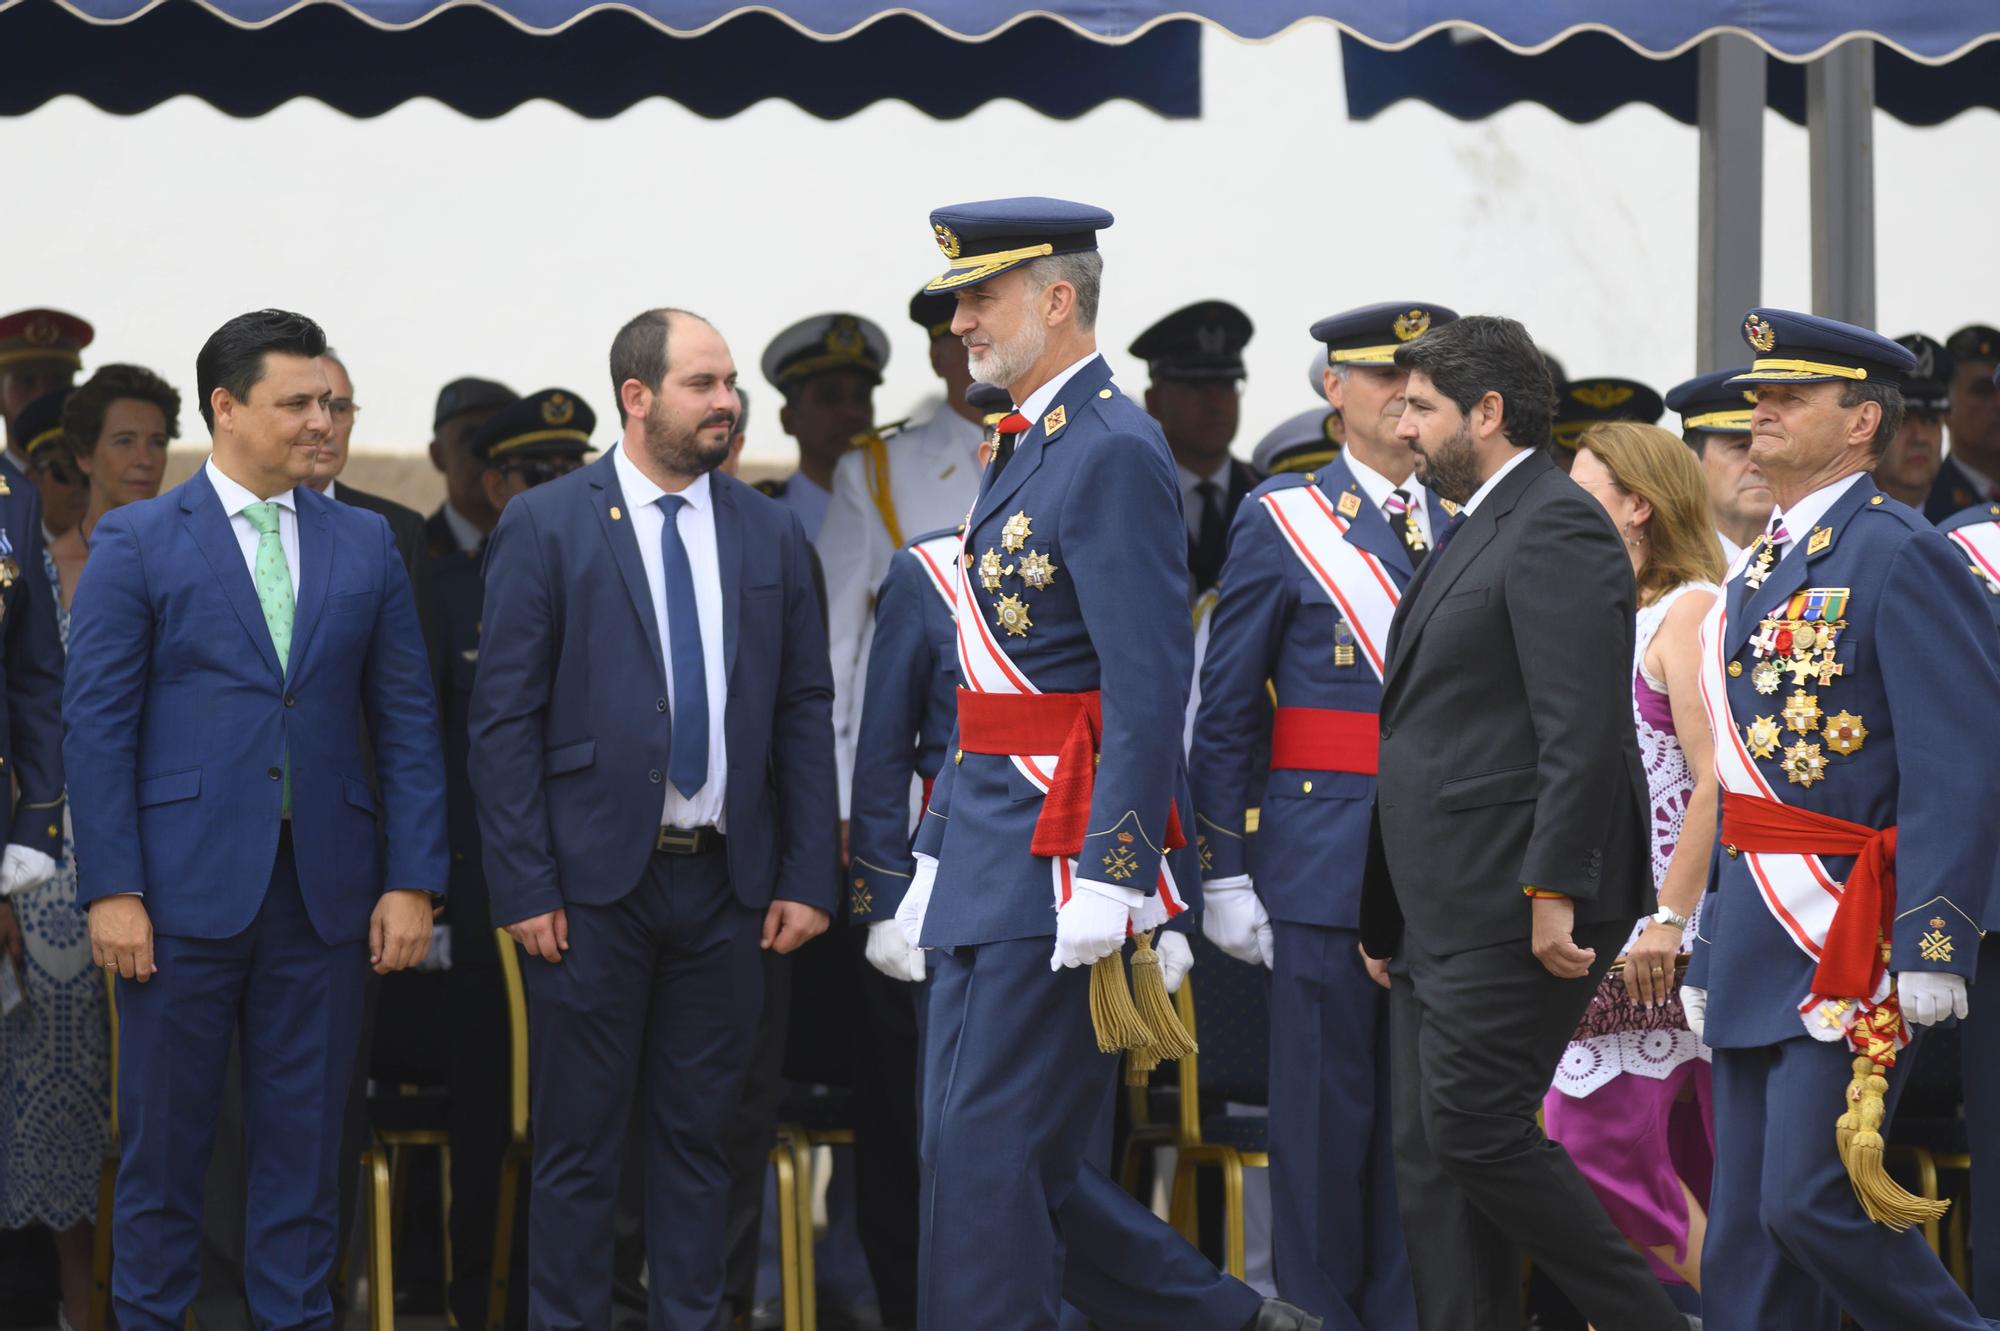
x: 1317, y: 564
x: 1062, y: 811
x: 228, y: 641
x: 652, y: 761
x: 1858, y: 850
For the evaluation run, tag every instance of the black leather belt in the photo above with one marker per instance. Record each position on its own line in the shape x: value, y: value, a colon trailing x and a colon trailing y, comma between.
x: 688, y: 840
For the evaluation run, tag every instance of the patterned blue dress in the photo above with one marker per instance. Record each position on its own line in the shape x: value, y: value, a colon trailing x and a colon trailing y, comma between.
x: 55, y: 1051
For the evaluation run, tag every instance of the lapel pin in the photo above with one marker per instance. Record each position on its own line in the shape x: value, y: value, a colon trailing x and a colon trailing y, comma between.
x: 1054, y: 421
x: 1349, y: 505
x: 615, y: 514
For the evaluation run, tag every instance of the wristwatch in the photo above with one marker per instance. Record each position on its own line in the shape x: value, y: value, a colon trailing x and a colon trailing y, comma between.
x: 1665, y: 915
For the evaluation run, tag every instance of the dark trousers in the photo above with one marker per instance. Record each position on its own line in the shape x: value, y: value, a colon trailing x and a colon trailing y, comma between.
x: 294, y: 1002
x: 752, y: 1131
x: 1336, y: 1236
x: 1981, y: 1051
x: 885, y: 1132
x: 1788, y: 1245
x: 1474, y: 1042
x: 479, y: 1066
x: 1015, y: 1218
x: 656, y: 1000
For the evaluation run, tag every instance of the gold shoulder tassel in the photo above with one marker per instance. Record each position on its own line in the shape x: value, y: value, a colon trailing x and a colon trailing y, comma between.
x: 1111, y: 1012
x: 1858, y: 1138
x: 1166, y: 1038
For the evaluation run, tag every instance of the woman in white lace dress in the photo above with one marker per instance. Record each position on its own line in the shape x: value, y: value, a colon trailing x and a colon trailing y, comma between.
x: 1631, y: 1099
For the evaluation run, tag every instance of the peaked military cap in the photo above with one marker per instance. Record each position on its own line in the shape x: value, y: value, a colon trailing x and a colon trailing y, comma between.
x: 469, y: 394
x: 1301, y: 443
x: 933, y: 311
x: 1708, y: 402
x: 1974, y: 342
x: 44, y: 335
x: 984, y: 239
x: 991, y: 401
x: 1370, y: 335
x: 1927, y: 386
x: 824, y: 344
x: 1197, y: 343
x: 552, y: 423
x: 38, y: 428
x: 1795, y: 348
x: 1587, y: 402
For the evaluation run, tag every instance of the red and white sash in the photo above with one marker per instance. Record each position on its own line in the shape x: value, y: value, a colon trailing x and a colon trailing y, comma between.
x: 937, y: 555
x: 1981, y: 541
x: 1797, y: 889
x: 985, y: 667
x: 1356, y: 580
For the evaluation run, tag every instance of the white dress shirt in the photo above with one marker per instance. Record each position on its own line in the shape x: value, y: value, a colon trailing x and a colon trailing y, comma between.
x: 1800, y: 518
x: 1495, y: 479
x: 235, y: 499
x: 1378, y: 488
x: 696, y: 524
x: 1039, y: 401
x: 463, y: 531
x: 1191, y: 502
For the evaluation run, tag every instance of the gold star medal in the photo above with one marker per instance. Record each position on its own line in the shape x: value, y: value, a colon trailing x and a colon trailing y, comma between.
x: 1764, y: 676
x: 1761, y: 735
x: 991, y: 570
x: 1038, y: 570
x: 1802, y: 712
x: 1804, y: 764
x: 1012, y: 615
x: 1845, y: 733
x: 1015, y: 533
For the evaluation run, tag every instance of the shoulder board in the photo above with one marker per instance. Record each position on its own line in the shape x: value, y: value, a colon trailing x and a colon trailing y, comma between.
x: 1982, y: 515
x: 1284, y: 480
x: 954, y: 532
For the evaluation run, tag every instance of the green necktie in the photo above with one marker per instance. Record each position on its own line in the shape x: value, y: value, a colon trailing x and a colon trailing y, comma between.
x: 273, y: 577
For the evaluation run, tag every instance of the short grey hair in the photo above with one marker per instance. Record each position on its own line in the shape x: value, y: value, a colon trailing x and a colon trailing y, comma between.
x: 1084, y: 271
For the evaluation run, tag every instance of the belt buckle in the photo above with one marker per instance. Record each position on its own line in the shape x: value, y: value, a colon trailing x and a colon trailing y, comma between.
x: 679, y: 840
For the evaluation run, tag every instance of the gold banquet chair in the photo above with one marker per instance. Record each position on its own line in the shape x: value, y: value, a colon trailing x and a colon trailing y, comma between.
x: 1198, y: 1148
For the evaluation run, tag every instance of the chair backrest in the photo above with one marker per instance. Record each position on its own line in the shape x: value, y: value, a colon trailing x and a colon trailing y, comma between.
x: 1234, y: 1007
x: 517, y: 1031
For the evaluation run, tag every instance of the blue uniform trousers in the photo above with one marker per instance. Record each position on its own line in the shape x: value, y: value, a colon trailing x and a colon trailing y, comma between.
x: 1015, y: 1217
x: 1981, y: 1051
x: 295, y: 1003
x: 1788, y: 1245
x: 656, y: 1001
x: 1336, y: 1232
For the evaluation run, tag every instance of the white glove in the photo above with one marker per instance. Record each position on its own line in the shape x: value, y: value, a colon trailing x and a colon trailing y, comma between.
x: 23, y: 869
x: 1089, y: 927
x: 1694, y: 1002
x: 1928, y: 997
x: 1231, y: 915
x: 1176, y: 959
x: 917, y: 900
x: 890, y: 952
x: 1266, y: 947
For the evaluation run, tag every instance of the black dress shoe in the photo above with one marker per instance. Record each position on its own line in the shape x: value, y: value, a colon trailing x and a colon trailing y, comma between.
x: 1277, y: 1315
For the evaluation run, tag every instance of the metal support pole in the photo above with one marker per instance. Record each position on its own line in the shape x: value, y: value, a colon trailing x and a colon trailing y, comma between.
x: 1840, y: 120
x: 1730, y: 266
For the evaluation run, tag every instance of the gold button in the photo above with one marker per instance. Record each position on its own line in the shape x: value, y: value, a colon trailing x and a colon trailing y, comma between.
x: 958, y: 757
x: 54, y: 830
x: 1876, y: 500
x: 1730, y: 850
x: 1308, y: 788
x: 1735, y: 669
x: 1104, y: 392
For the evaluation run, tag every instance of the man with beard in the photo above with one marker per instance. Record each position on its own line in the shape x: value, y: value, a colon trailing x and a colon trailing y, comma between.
x: 1970, y: 469
x: 1512, y: 846
x: 1194, y: 358
x: 1066, y: 789
x: 1910, y: 467
x: 636, y: 848
x: 1715, y: 423
x: 1316, y: 565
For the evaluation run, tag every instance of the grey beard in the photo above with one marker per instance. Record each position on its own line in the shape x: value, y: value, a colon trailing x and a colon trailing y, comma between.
x: 1004, y: 366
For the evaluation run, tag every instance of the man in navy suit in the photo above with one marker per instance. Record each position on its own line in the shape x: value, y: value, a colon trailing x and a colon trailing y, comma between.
x: 652, y: 760
x: 227, y: 643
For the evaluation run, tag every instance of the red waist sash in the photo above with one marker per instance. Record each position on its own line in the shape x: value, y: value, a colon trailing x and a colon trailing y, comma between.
x: 1851, y: 959
x: 1320, y: 739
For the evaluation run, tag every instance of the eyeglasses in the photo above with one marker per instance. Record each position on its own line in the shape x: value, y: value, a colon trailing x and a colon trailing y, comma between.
x: 538, y: 473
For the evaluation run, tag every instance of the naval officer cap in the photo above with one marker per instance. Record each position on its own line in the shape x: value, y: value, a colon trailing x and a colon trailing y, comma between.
x: 1198, y: 343
x: 985, y: 239
x: 825, y: 344
x: 469, y: 394
x: 1587, y: 402
x: 933, y: 311
x: 1302, y: 443
x: 552, y: 423
x: 1795, y: 348
x: 1974, y: 342
x: 38, y: 428
x: 1710, y: 403
x: 43, y: 337
x: 1371, y: 334
x: 1927, y: 387
x: 991, y: 401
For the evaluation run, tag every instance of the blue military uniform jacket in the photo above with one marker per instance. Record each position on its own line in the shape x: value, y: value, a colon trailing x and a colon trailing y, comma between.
x: 1909, y: 735
x: 1983, y: 522
x: 31, y: 730
x: 908, y: 707
x: 1275, y: 622
x: 1095, y: 487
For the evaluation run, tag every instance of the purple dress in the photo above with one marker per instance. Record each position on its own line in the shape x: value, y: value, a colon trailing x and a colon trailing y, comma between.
x: 1631, y: 1099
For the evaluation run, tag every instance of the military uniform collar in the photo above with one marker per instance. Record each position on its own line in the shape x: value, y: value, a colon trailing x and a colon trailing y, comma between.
x: 1378, y: 487
x: 1802, y: 517
x: 1039, y: 401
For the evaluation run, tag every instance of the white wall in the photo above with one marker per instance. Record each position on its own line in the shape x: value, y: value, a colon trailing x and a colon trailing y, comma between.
x: 431, y: 245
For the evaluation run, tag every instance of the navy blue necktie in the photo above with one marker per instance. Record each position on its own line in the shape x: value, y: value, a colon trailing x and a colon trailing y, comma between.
x: 1451, y: 526
x: 687, y: 758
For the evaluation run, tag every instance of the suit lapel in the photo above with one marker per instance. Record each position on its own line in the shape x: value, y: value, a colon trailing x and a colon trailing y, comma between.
x: 1367, y: 529
x: 315, y: 569
x: 728, y: 567
x: 1085, y: 384
x: 1794, y: 570
x: 609, y: 499
x: 203, y: 513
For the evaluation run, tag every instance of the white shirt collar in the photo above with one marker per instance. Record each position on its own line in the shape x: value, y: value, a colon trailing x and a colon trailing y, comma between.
x: 1803, y: 516
x: 1192, y: 481
x: 1042, y: 398
x: 1494, y: 480
x: 235, y: 498
x: 639, y: 489
x: 1378, y: 487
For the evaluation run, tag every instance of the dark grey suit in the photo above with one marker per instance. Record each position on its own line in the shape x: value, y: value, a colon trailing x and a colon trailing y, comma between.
x: 1508, y: 758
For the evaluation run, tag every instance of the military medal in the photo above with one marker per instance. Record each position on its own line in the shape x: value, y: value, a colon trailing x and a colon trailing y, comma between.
x: 1845, y: 733
x: 1012, y: 615
x: 1804, y: 764
x: 10, y: 569
x: 1343, y: 645
x: 991, y: 570
x: 1015, y: 533
x: 1766, y: 642
x: 1764, y: 676
x: 1038, y: 570
x: 1802, y: 712
x: 1761, y: 735
x: 1753, y: 577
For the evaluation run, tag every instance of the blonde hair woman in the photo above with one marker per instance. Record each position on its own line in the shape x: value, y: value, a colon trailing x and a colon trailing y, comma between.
x: 1631, y: 1099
